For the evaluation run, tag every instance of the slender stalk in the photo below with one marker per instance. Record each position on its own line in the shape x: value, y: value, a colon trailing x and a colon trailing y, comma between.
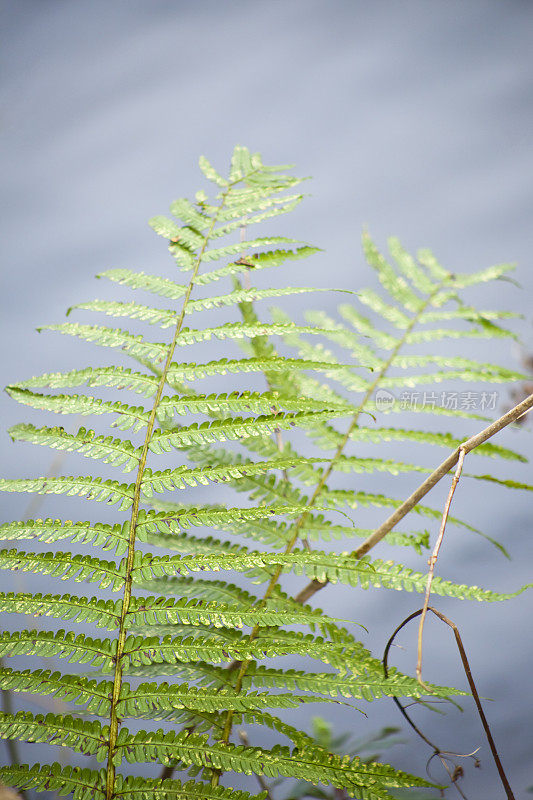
x: 473, y: 689
x: 431, y: 563
x: 122, y: 631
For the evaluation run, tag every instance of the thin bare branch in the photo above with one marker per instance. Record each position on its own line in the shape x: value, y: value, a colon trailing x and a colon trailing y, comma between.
x: 473, y: 689
x: 431, y: 563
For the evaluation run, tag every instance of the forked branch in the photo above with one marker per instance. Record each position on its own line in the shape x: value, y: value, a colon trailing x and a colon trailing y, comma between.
x: 472, y: 685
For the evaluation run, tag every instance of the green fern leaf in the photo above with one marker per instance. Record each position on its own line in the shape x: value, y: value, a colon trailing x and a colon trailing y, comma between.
x: 85, y: 784
x: 149, y: 283
x: 251, y: 402
x: 78, y: 649
x: 182, y: 477
x: 367, y: 685
x: 233, y: 366
x: 83, y: 736
x: 93, y: 488
x: 150, y: 699
x: 409, y: 268
x: 152, y: 789
x: 118, y: 452
x: 95, y: 697
x: 128, y: 416
x: 153, y: 610
x: 101, y: 613
x: 278, y: 761
x: 108, y: 537
x: 154, y: 316
x: 114, y: 377
x: 396, y: 286
x: 236, y: 428
x: 258, y: 261
x: 65, y: 566
x: 174, y: 620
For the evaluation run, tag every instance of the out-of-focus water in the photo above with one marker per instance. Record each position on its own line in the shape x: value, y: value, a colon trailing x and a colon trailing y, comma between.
x: 414, y: 118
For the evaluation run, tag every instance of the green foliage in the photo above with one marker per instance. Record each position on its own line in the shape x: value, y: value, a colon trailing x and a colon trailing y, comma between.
x: 173, y: 619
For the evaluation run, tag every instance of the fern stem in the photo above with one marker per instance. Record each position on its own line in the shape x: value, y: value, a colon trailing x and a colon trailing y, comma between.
x: 316, y: 494
x: 117, y: 680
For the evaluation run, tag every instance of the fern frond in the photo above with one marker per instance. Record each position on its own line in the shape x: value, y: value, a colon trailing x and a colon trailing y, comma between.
x: 150, y: 699
x: 78, y: 649
x: 85, y: 784
x: 223, y: 645
x: 348, y: 774
x: 224, y: 366
x: 468, y: 313
x: 112, y: 337
x: 487, y: 331
x: 217, y: 253
x: 389, y: 312
x: 462, y: 280
x: 246, y: 296
x: 321, y: 566
x: 65, y: 566
x: 149, y: 283
x: 177, y: 517
x: 383, y: 340
x: 95, y: 697
x: 185, y: 543
x: 128, y: 416
x: 108, y: 537
x: 152, y: 789
x: 156, y: 351
x: 153, y: 610
x: 82, y: 736
x: 174, y: 619
x: 210, y: 172
x: 484, y: 373
x: 366, y: 685
x: 101, y: 613
x: 410, y: 269
x: 241, y: 402
x: 117, y: 452
x: 395, y: 285
x: 92, y: 488
x: 237, y: 428
x: 447, y: 440
x: 255, y: 263
x: 182, y: 477
x: 112, y: 377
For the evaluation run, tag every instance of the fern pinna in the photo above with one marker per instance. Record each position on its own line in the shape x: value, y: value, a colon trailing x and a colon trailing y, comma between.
x: 188, y: 652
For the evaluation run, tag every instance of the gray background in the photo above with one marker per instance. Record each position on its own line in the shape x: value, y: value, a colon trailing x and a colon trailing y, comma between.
x: 414, y: 118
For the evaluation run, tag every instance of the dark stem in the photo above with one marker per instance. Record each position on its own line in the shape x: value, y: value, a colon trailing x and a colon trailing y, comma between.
x: 472, y: 685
